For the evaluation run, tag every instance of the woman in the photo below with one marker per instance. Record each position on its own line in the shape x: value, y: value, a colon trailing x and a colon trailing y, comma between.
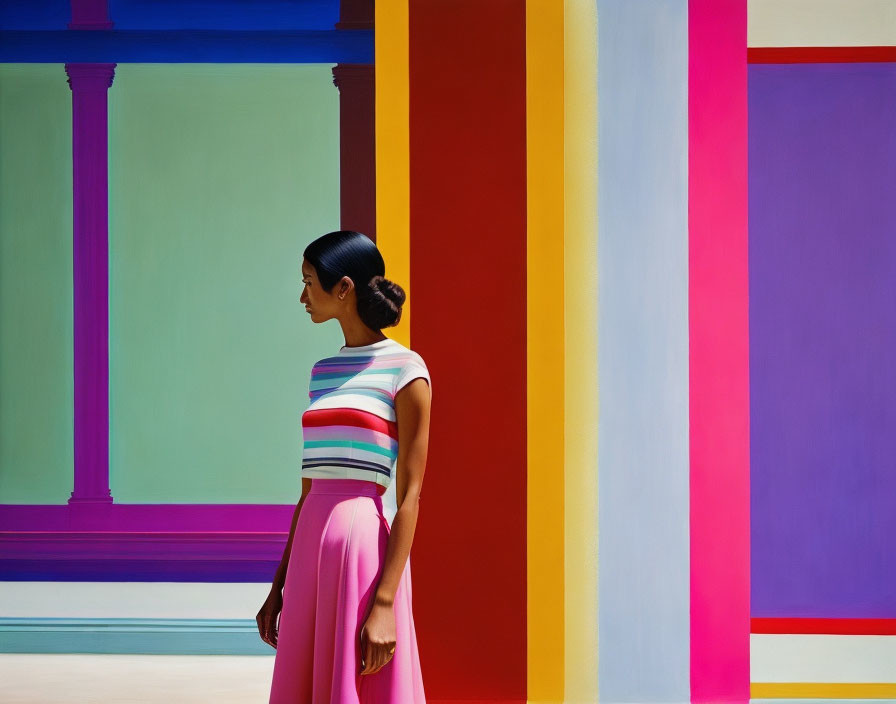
x: 346, y: 628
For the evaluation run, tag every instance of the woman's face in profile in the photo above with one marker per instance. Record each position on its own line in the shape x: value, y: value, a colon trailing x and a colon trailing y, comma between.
x: 320, y: 304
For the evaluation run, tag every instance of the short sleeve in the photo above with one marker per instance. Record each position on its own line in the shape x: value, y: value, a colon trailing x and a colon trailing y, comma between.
x: 413, y: 368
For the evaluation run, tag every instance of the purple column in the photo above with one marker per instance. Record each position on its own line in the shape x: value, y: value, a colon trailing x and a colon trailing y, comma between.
x: 357, y: 147
x: 89, y: 84
x: 357, y: 136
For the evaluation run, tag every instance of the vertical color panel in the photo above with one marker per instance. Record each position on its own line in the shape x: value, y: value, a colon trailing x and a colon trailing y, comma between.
x: 545, y: 349
x: 214, y: 192
x: 580, y: 405
x: 719, y: 351
x: 392, y: 191
x: 36, y: 335
x: 392, y: 159
x: 468, y: 276
x: 823, y: 331
x: 643, y: 333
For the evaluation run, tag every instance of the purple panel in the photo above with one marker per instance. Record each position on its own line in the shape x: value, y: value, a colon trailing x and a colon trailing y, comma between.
x: 822, y: 188
x: 141, y: 569
x: 147, y: 518
x: 143, y: 542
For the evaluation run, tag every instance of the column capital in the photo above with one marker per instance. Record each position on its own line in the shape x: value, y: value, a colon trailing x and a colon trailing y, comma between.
x: 355, y: 14
x: 90, y: 15
x: 90, y: 76
x: 343, y: 73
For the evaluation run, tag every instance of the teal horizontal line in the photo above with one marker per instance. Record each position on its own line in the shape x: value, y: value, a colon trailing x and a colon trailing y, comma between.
x: 143, y: 624
x: 155, y: 636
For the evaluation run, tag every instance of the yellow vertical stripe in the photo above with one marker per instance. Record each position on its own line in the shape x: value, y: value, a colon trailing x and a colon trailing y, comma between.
x: 580, y: 310
x: 545, y: 343
x: 393, y: 151
x: 561, y: 69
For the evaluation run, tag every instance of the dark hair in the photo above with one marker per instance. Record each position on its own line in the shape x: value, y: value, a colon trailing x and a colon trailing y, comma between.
x: 352, y: 254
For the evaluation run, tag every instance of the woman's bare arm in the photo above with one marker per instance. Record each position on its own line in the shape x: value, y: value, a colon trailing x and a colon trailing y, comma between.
x: 412, y: 410
x: 280, y: 576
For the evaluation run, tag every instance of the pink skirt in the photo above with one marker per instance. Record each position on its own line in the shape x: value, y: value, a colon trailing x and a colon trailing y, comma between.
x: 337, y: 557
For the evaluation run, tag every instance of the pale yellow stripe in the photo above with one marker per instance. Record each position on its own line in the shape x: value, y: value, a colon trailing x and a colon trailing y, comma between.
x: 580, y: 311
x: 393, y: 151
x: 545, y: 344
x: 823, y: 690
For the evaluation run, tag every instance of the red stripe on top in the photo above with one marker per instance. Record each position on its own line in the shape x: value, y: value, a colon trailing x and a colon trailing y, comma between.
x: 317, y: 417
x: 836, y: 626
x: 820, y: 54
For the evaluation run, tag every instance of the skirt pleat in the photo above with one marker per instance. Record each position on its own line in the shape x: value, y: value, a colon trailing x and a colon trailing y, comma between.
x: 336, y: 560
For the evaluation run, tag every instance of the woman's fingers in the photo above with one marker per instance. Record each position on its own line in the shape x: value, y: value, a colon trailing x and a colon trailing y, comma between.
x: 379, y: 656
x: 267, y: 627
x: 364, y: 654
x: 261, y: 630
x: 369, y: 657
x: 374, y: 656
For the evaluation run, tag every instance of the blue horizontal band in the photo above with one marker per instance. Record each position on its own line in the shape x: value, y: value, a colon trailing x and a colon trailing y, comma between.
x: 187, y: 46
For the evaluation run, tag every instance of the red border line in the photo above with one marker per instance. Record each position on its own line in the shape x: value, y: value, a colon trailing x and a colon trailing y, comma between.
x: 835, y: 626
x: 820, y: 54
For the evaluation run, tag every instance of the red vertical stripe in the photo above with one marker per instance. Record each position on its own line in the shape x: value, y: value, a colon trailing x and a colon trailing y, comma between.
x: 468, y: 286
x: 719, y: 351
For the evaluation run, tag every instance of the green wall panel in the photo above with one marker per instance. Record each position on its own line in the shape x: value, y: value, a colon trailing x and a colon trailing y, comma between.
x: 36, y: 388
x: 220, y: 174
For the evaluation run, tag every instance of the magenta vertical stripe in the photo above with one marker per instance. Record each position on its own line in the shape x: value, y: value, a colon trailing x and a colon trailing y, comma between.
x: 90, y: 253
x: 719, y: 351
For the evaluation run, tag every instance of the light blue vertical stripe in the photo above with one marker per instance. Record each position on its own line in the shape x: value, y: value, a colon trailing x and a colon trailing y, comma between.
x: 643, y: 351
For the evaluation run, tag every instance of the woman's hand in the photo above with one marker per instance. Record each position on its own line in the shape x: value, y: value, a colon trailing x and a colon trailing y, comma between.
x: 377, y: 638
x: 267, y: 617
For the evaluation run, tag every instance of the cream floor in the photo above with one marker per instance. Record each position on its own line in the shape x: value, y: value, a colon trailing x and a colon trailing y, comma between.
x: 126, y: 679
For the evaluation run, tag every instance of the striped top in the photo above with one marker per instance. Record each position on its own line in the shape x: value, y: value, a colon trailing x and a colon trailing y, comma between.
x: 349, y: 428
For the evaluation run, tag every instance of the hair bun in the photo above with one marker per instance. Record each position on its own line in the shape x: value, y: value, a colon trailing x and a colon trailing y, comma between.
x: 380, y: 303
x: 386, y: 287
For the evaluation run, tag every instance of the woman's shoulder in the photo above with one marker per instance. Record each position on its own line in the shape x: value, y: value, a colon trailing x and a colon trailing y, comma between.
x: 411, y: 365
x: 405, y: 354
